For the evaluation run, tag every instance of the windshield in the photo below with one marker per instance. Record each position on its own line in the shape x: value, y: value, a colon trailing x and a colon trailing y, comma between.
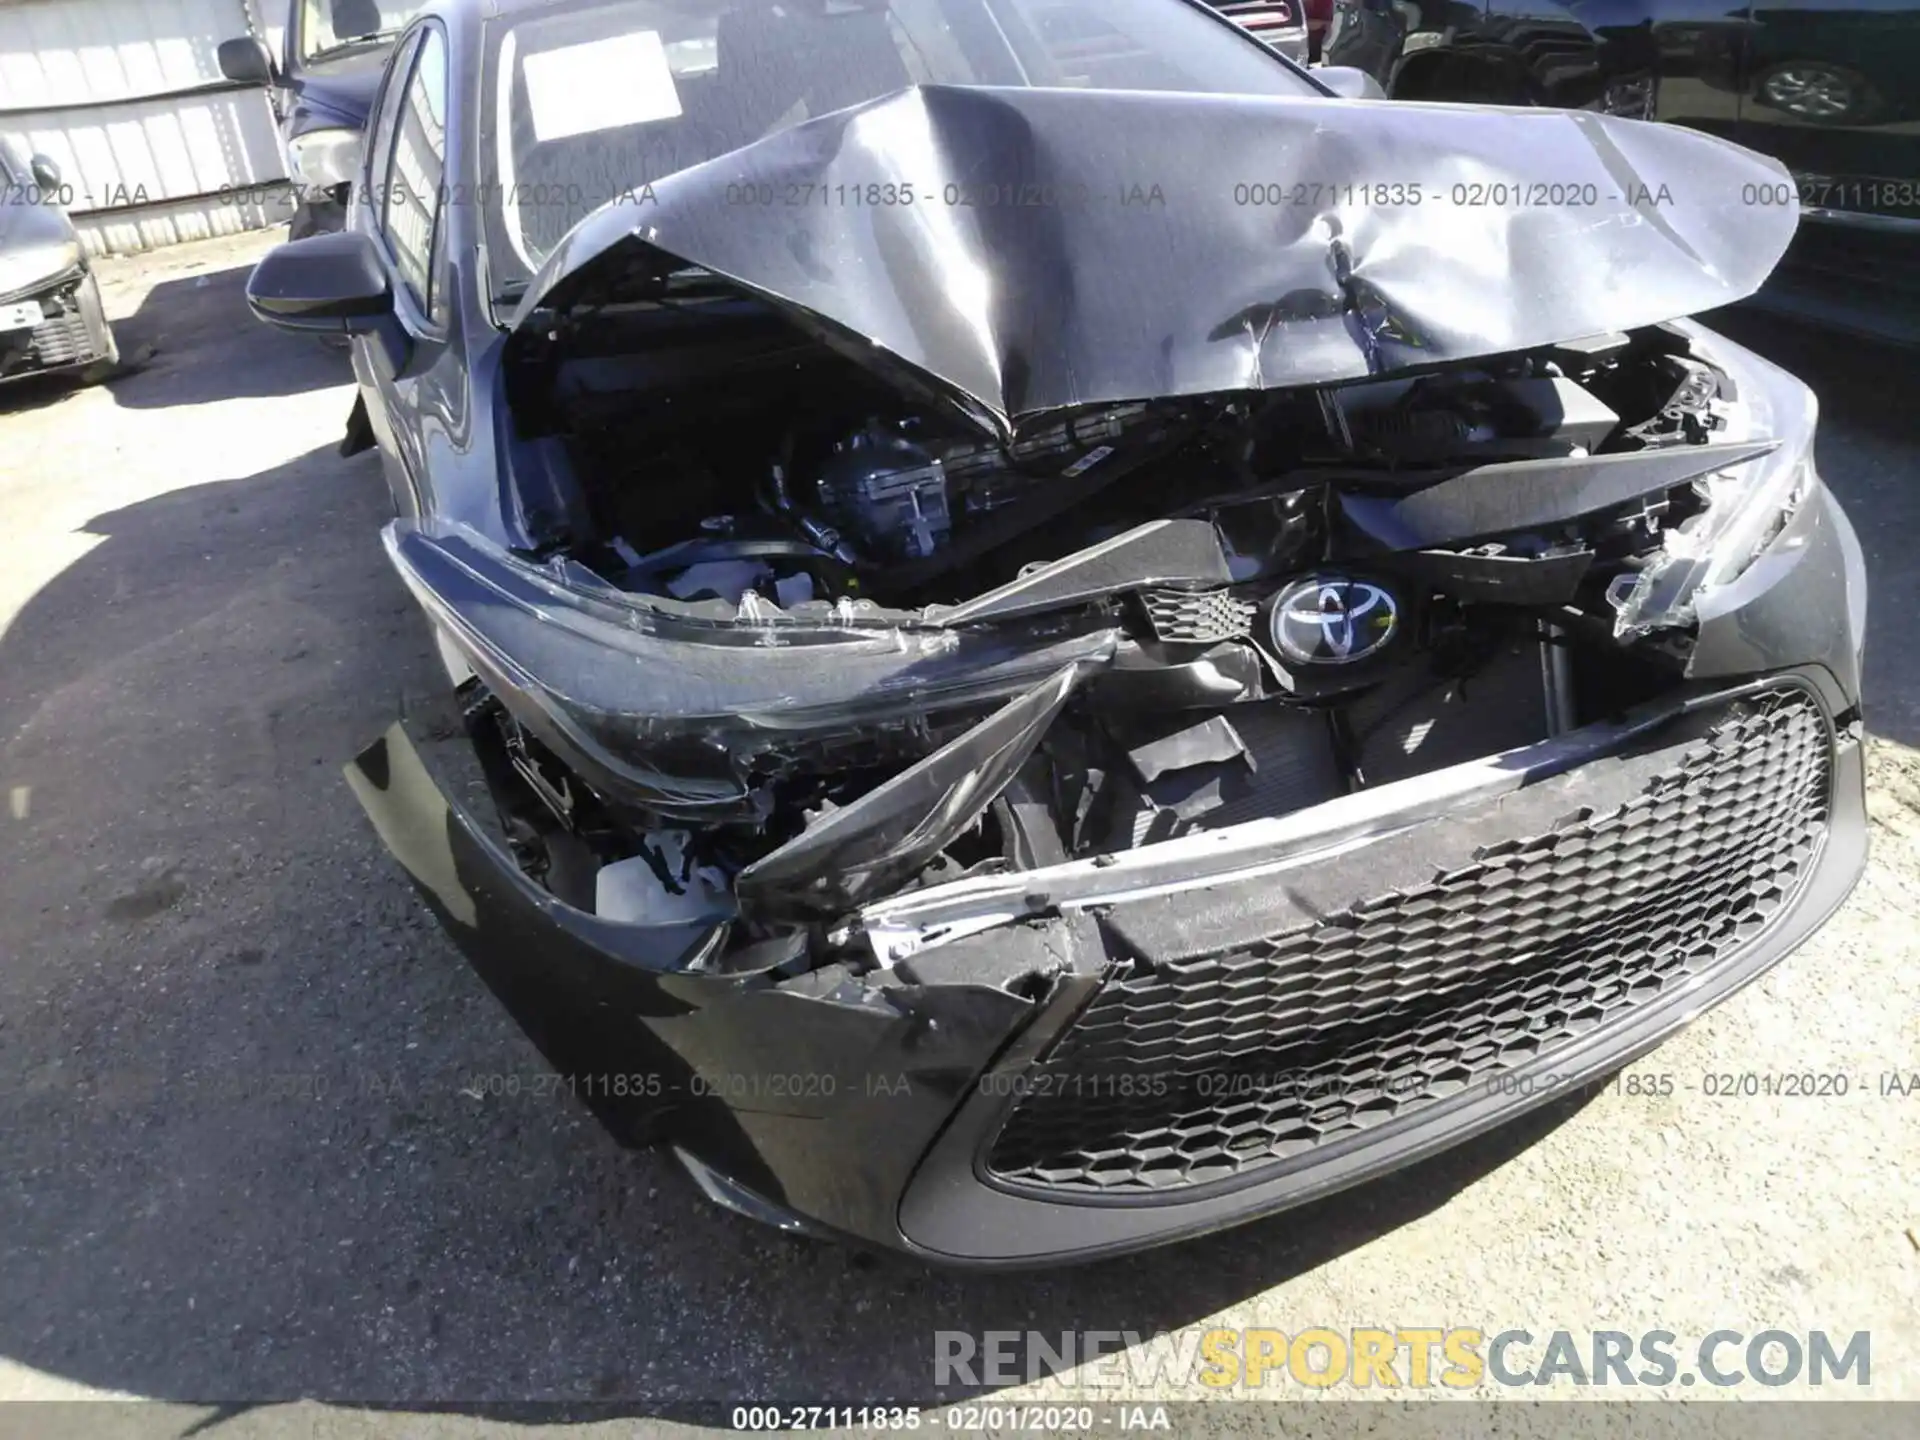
x: 333, y: 26
x: 587, y: 101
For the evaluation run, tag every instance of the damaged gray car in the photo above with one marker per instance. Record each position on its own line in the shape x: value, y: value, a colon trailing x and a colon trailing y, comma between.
x: 1060, y: 637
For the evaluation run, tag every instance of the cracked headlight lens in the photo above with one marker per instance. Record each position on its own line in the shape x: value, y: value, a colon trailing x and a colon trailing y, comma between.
x: 324, y: 157
x: 1745, y: 513
x: 1747, y: 505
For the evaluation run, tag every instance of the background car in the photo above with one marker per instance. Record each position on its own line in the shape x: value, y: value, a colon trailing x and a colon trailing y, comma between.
x: 1827, y: 88
x: 1279, y: 23
x: 51, y: 318
x: 326, y: 75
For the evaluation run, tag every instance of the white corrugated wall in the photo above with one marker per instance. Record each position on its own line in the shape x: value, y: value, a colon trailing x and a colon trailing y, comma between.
x: 127, y: 97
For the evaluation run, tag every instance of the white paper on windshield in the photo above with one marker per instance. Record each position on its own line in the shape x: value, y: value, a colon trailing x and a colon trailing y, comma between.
x: 602, y: 85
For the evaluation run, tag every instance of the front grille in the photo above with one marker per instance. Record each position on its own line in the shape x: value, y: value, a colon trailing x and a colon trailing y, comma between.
x: 1197, y: 617
x: 61, y: 339
x: 1195, y: 1071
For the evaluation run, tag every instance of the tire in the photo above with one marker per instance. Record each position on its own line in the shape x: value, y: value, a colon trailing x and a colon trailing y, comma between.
x: 93, y: 309
x: 106, y: 367
x: 1819, y: 92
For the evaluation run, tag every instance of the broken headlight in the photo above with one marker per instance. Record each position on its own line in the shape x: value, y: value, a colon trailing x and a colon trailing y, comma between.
x: 672, y: 709
x: 1745, y: 506
x: 324, y: 158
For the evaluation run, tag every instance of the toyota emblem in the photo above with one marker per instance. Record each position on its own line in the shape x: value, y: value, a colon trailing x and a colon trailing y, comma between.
x: 1332, y: 620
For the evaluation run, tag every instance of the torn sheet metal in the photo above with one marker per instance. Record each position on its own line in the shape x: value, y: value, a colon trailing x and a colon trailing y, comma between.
x: 1213, y: 741
x: 1518, y: 495
x: 1182, y: 554
x: 1074, y: 247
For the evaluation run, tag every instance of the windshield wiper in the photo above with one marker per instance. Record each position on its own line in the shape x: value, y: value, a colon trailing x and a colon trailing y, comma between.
x: 689, y: 282
x: 358, y: 42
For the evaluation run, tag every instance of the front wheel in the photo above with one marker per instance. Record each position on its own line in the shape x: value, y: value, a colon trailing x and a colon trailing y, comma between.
x: 106, y: 363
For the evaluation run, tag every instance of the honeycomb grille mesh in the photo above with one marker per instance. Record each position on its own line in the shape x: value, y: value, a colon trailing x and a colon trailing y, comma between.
x: 1186, y: 1073
x: 1203, y: 617
x: 61, y: 340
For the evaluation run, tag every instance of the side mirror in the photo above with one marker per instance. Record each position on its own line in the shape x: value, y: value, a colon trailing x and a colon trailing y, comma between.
x: 246, y: 61
x: 46, y: 174
x: 332, y: 283
x: 1348, y: 82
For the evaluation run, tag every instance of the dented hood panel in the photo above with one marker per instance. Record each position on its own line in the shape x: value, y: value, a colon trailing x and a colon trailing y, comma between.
x: 1032, y: 249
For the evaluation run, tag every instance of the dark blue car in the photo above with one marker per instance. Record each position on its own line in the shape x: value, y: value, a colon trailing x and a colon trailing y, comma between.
x: 1056, y: 636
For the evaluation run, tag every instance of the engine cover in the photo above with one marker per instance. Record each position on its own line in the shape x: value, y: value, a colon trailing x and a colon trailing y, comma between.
x: 887, y: 492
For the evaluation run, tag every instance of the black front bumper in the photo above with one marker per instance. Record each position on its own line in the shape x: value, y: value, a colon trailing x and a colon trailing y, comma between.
x: 73, y: 335
x: 1265, y: 1045
x: 1241, y: 1044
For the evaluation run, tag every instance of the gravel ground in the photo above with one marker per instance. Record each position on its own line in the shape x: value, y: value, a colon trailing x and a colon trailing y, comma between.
x: 240, y: 1159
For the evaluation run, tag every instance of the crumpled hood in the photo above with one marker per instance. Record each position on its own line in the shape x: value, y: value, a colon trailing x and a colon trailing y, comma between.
x: 1032, y: 249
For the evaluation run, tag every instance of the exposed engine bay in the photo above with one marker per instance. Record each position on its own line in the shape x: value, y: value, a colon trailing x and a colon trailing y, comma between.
x: 855, y: 551
x: 1258, y: 602
x: 800, y: 478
